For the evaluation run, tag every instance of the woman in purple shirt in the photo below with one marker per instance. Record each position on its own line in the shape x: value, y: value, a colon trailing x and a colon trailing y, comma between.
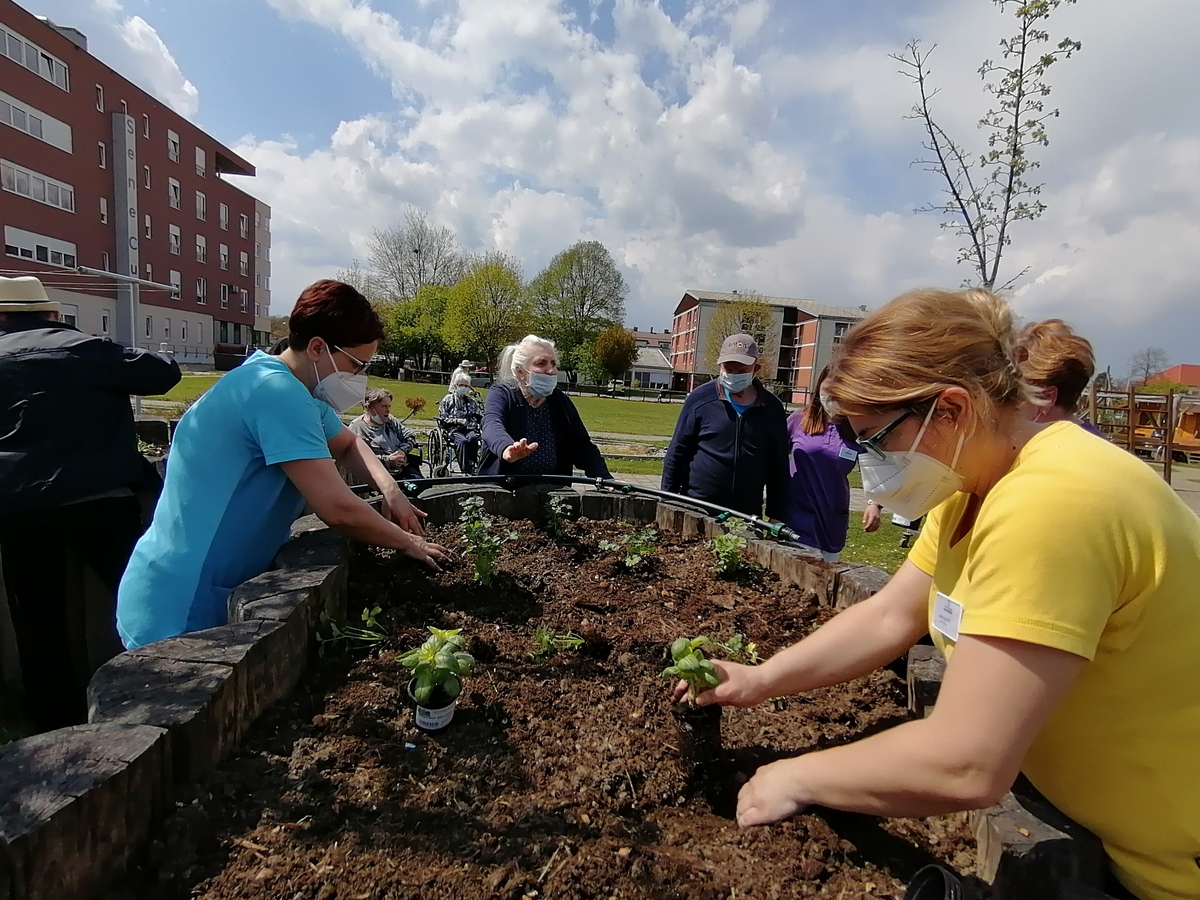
x: 818, y: 497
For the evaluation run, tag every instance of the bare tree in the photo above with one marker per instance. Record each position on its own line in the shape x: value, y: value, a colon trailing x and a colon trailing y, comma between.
x: 985, y: 195
x: 361, y: 280
x: 407, y: 256
x: 1147, y: 362
x: 748, y: 314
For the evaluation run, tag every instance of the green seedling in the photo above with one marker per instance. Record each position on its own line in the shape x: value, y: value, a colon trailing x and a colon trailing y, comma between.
x: 692, y: 666
x: 558, y: 513
x: 727, y: 548
x: 443, y: 654
x: 546, y: 641
x: 483, y: 544
x: 738, y: 649
x: 638, y: 548
x: 342, y: 637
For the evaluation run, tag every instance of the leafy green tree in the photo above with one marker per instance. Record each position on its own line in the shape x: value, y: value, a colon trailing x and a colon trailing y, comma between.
x: 615, y: 351
x: 579, y: 294
x: 984, y: 196
x: 748, y: 314
x: 488, y: 308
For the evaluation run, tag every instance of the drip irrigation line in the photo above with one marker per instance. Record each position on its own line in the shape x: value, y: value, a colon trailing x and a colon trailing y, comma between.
x: 413, y: 486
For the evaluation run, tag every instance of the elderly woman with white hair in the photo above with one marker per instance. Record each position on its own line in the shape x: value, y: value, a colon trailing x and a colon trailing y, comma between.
x: 461, y: 419
x: 530, y: 427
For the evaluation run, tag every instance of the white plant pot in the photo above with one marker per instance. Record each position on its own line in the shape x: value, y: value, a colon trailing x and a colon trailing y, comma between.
x: 434, y: 719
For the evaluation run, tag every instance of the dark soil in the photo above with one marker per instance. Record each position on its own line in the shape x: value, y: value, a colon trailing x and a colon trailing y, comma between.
x: 559, y: 776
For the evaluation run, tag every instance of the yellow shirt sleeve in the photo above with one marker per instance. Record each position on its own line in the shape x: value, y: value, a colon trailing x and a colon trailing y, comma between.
x: 924, y: 552
x: 1043, y: 567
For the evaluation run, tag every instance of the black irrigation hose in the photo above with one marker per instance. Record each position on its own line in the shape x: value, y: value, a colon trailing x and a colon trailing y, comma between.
x: 413, y: 486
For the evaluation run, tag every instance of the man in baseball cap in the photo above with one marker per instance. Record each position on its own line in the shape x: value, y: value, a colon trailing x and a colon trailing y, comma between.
x: 731, y: 440
x: 69, y: 464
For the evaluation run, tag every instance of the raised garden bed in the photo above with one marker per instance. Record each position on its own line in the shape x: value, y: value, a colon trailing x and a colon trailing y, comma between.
x: 560, y: 774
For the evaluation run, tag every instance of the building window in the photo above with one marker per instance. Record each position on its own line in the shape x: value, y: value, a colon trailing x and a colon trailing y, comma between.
x: 258, y: 279
x: 167, y: 329
x: 224, y: 217
x: 176, y: 239
x: 224, y: 296
x: 34, y: 58
x: 839, y: 331
x: 257, y: 249
x: 146, y: 176
x: 19, y: 180
x: 172, y: 146
x: 201, y: 291
x: 176, y: 281
x: 244, y: 225
x: 201, y: 248
x: 245, y: 302
x: 257, y: 310
x: 104, y: 210
x: 145, y: 125
x: 124, y: 108
x: 148, y: 229
x: 100, y: 97
x: 173, y: 193
x: 102, y: 154
x: 34, y: 122
x: 149, y: 272
x: 183, y: 330
x: 223, y: 258
x: 201, y: 206
x: 245, y: 263
x: 267, y: 257
x: 200, y: 167
x: 104, y: 260
x: 149, y: 326
x: 104, y: 323
x: 38, y: 247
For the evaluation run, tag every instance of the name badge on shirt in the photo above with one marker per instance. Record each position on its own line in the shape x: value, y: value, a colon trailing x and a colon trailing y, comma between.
x: 847, y: 453
x: 947, y: 615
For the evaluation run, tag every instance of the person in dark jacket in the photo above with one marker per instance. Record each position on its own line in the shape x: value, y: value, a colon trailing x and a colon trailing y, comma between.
x: 69, y: 464
x: 731, y: 439
x: 530, y: 427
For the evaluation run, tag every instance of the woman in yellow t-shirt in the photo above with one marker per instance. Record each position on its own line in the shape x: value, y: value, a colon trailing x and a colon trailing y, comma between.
x: 1059, y: 576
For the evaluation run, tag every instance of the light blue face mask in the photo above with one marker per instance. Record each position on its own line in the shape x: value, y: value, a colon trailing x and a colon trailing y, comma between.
x: 735, y: 384
x: 542, y: 385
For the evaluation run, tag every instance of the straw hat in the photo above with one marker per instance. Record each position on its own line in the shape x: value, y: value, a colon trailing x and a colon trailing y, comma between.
x: 25, y: 294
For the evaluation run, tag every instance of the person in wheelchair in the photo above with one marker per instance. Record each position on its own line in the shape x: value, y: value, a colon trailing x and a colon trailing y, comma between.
x: 386, y: 435
x: 460, y: 416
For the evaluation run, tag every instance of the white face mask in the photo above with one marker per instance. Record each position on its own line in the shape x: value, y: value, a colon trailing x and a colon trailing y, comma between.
x: 911, y: 483
x: 341, y: 390
x: 463, y: 392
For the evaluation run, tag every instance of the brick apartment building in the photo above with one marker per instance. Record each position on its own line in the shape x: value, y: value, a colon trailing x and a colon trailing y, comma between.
x: 98, y: 174
x: 804, y: 332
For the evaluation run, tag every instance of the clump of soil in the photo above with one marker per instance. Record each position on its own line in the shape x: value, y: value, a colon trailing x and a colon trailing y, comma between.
x: 559, y: 776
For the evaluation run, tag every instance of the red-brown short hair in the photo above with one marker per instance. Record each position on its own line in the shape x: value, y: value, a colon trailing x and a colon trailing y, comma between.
x: 336, y: 312
x: 1050, y: 354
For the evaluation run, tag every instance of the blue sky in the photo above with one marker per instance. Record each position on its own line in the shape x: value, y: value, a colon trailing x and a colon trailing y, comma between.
x: 751, y: 144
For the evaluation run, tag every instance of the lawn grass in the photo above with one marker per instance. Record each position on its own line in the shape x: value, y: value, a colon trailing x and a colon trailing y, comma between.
x: 881, y: 549
x: 600, y: 414
x: 649, y: 466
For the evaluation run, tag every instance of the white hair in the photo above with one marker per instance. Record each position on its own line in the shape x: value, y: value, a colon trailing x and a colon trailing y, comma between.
x: 517, y: 356
x: 460, y: 377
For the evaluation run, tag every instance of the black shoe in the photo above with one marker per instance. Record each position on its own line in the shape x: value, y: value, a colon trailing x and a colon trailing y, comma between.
x: 935, y: 883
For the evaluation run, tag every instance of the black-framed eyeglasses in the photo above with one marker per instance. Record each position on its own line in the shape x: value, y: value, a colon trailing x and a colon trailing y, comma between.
x: 359, y: 365
x: 872, y: 444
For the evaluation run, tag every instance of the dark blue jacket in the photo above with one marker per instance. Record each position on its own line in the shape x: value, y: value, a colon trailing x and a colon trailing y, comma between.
x: 723, y: 458
x: 504, y: 424
x: 66, y: 427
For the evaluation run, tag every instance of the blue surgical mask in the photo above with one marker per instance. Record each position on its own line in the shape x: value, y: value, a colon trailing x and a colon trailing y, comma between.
x: 463, y: 392
x: 542, y: 385
x: 735, y: 384
x: 378, y: 420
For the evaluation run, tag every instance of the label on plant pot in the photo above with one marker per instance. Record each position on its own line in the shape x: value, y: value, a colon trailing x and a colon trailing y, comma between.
x: 434, y: 719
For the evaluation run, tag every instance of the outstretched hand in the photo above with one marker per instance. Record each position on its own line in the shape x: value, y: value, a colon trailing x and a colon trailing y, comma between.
x: 740, y: 686
x: 519, y: 450
x: 397, y: 508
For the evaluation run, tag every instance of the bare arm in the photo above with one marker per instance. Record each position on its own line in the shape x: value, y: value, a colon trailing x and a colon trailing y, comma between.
x: 337, y: 506
x: 352, y: 452
x: 855, y: 642
x: 996, y: 696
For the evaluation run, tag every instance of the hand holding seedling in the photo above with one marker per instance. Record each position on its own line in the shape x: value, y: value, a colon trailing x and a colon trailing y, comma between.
x: 737, y: 685
x: 519, y: 450
x: 695, y: 671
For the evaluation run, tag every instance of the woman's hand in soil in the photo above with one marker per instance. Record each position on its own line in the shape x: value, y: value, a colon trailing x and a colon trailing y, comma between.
x: 771, y: 795
x: 427, y: 552
x: 519, y: 450
x: 740, y: 686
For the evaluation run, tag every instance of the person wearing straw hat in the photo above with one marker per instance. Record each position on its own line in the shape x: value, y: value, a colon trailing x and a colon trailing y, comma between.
x: 69, y: 464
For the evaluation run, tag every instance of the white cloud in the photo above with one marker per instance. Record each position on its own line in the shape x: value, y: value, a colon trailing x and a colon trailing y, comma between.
x: 679, y: 143
x: 156, y: 67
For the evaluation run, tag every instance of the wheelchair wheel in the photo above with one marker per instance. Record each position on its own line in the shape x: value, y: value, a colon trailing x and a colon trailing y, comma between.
x: 436, y: 455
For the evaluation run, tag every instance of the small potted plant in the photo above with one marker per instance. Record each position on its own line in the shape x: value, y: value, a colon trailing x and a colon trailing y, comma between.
x: 438, y: 667
x: 699, y: 726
